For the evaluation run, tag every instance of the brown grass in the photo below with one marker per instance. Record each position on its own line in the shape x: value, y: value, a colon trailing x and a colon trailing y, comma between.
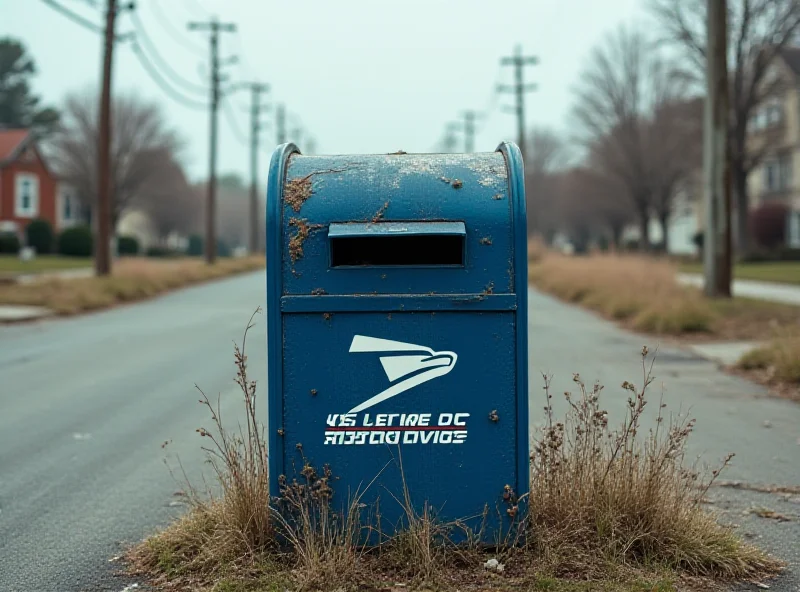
x: 609, y: 497
x: 779, y: 360
x: 133, y: 279
x: 643, y: 293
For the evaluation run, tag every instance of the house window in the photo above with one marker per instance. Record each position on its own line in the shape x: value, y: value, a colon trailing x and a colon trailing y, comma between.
x: 26, y: 203
x: 778, y: 174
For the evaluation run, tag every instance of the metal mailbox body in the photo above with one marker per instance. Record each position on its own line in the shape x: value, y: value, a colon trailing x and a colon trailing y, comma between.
x: 397, y: 326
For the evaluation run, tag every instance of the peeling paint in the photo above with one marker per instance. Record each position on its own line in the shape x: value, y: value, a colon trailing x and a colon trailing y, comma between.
x: 486, y: 240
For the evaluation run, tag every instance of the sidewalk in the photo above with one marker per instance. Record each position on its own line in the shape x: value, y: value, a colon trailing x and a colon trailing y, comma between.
x: 10, y: 313
x: 772, y: 292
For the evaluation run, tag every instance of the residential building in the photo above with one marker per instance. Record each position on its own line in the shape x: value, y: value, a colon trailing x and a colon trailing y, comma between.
x: 29, y: 189
x: 774, y: 135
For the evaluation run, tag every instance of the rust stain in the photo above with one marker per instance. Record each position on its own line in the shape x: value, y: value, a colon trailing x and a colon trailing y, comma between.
x: 486, y: 240
x: 457, y: 183
x: 297, y: 192
x: 313, y: 392
x: 318, y: 292
x: 489, y: 289
x: 327, y: 316
x: 296, y: 242
x: 493, y: 416
x: 380, y: 213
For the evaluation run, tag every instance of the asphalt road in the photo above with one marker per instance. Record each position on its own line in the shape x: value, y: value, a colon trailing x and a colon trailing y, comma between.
x: 86, y: 403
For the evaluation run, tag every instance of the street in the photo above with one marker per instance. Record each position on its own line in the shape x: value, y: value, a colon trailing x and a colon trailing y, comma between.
x: 88, y: 402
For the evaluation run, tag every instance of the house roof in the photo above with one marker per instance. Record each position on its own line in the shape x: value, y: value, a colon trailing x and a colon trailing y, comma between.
x: 11, y: 142
x: 791, y: 55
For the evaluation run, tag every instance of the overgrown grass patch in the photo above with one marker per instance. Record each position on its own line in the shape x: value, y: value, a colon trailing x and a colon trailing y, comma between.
x: 613, y: 506
x: 133, y: 279
x: 644, y: 294
x: 13, y: 265
x: 779, y: 359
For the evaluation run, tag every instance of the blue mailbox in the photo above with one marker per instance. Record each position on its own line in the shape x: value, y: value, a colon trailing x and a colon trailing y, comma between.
x: 397, y: 327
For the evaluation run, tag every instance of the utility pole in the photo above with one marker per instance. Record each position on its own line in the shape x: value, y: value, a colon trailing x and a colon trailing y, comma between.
x: 716, y: 157
x: 469, y: 131
x: 211, y: 215
x: 280, y: 124
x: 102, y: 257
x: 449, y: 143
x: 255, y: 126
x: 519, y: 61
x: 294, y: 135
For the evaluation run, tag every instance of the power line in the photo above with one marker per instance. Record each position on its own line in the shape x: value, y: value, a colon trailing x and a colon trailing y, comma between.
x: 190, y: 87
x: 162, y: 83
x: 173, y: 32
x: 74, y: 17
x: 237, y: 131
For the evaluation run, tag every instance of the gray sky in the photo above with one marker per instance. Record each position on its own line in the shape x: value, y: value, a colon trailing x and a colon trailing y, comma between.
x: 360, y: 75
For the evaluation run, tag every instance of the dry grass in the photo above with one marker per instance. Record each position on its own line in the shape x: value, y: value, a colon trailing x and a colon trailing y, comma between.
x: 623, y: 497
x: 609, y: 509
x: 644, y: 294
x: 640, y: 291
x: 780, y: 359
x: 133, y: 279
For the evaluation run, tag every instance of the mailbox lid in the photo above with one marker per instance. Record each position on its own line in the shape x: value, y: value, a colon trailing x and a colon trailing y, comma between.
x: 384, y: 224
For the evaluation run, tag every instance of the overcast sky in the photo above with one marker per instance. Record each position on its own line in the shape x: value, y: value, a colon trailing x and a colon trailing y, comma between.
x: 360, y: 76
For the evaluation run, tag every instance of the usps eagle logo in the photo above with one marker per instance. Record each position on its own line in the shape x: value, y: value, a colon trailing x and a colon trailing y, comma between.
x: 406, y: 365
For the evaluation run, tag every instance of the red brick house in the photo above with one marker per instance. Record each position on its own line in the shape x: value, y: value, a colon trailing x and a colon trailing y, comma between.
x: 28, y: 187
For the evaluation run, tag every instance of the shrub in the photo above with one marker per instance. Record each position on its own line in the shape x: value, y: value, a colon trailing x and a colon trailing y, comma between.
x: 76, y: 242
x: 128, y: 245
x: 768, y: 225
x: 157, y: 251
x: 9, y: 243
x: 39, y: 235
x: 195, y: 248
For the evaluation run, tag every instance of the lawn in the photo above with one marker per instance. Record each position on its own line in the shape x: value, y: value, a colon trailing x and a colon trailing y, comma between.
x: 133, y: 279
x: 784, y: 272
x: 13, y: 265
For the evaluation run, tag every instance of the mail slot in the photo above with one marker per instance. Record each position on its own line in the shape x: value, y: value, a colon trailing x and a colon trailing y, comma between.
x: 397, y: 330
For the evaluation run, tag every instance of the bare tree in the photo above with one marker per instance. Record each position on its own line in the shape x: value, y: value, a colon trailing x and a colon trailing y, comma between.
x: 547, y: 155
x: 139, y: 135
x: 758, y: 30
x: 171, y: 204
x: 592, y: 204
x: 674, y: 151
x: 622, y: 87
